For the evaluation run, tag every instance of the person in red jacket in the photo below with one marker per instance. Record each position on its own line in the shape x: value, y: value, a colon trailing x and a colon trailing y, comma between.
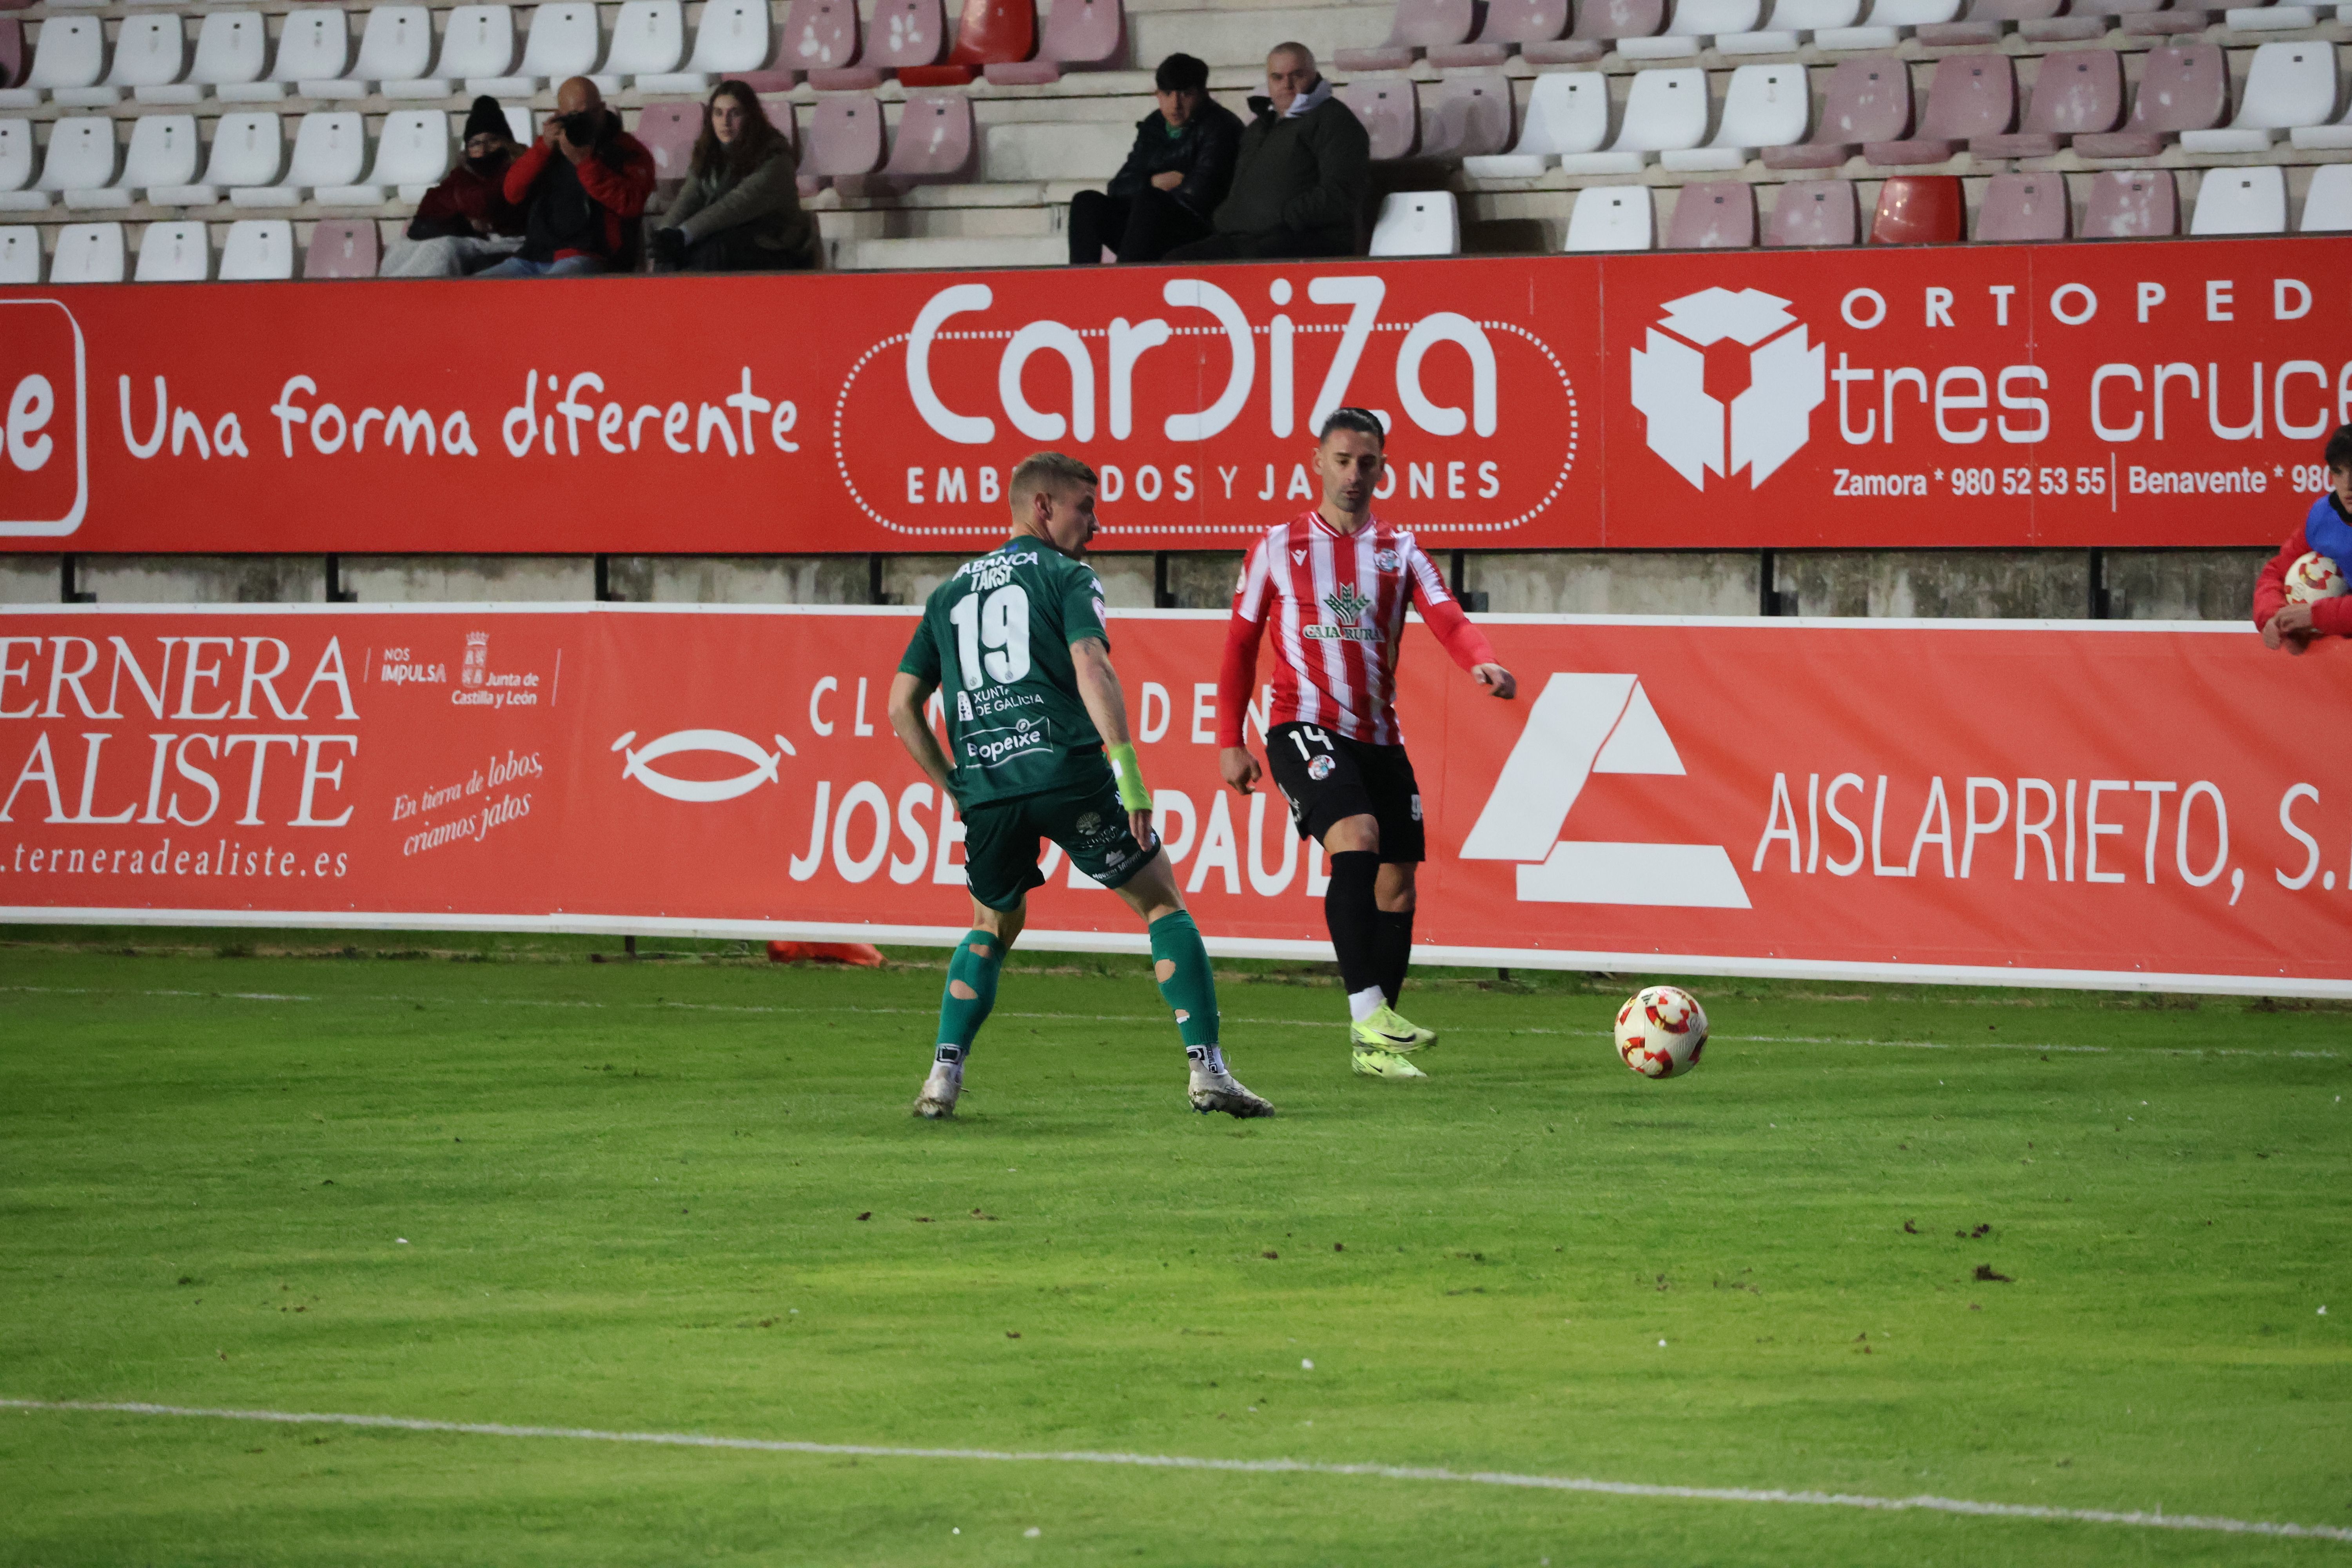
x: 583, y: 185
x: 464, y: 222
x: 2328, y: 529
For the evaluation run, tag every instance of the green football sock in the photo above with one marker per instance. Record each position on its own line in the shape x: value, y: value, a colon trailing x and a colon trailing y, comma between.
x: 971, y: 992
x: 1182, y: 965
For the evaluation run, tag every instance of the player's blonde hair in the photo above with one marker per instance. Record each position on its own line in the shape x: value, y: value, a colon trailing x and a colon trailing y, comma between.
x: 1048, y: 471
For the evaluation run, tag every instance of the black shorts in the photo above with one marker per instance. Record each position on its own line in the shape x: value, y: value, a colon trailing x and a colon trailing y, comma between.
x: 1329, y: 777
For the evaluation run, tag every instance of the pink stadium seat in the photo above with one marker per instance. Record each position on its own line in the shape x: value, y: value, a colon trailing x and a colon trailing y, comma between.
x: 845, y: 139
x: 1606, y: 21
x: 12, y: 51
x: 2185, y: 87
x: 1415, y: 26
x: 2158, y: 22
x: 1868, y: 99
x: 2022, y: 208
x: 934, y: 140
x: 1816, y: 211
x: 1466, y: 117
x: 1714, y: 215
x: 1985, y: 20
x: 905, y: 35
x: 818, y: 36
x: 1391, y: 112
x: 991, y: 32
x: 342, y: 247
x: 1968, y: 96
x: 1509, y: 23
x: 669, y: 132
x: 1920, y: 209
x: 1076, y: 33
x: 2132, y: 203
x: 2078, y: 91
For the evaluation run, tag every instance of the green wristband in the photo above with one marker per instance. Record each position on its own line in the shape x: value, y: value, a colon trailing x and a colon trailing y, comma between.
x: 1130, y: 773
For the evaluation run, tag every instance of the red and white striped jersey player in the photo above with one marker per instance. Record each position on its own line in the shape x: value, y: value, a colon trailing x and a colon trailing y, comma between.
x: 1334, y: 585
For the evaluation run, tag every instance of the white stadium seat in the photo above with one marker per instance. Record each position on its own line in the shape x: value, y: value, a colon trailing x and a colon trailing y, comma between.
x: 411, y: 153
x: 1567, y: 112
x: 330, y: 149
x: 1763, y: 106
x: 1665, y: 109
x: 1418, y: 222
x: 80, y: 155
x: 16, y: 168
x: 314, y: 48
x: 20, y: 254
x: 731, y: 39
x: 257, y: 250
x: 1791, y: 19
x: 247, y: 148
x: 2241, y: 201
x: 480, y: 43
x: 1610, y: 217
x: 68, y: 59
x: 233, y: 57
x: 1695, y: 22
x: 562, y: 43
x: 150, y: 52
x: 173, y: 253
x: 519, y: 124
x: 2328, y: 207
x: 648, y: 39
x: 2288, y: 86
x: 164, y: 151
x: 87, y: 253
x: 396, y: 49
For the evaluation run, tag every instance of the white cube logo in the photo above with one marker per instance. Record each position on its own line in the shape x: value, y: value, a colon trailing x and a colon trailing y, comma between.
x: 44, y: 420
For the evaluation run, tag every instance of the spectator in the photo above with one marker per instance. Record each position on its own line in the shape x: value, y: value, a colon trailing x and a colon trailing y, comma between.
x: 2326, y: 529
x: 1178, y: 171
x: 582, y: 186
x: 739, y: 209
x: 466, y: 221
x: 1301, y: 177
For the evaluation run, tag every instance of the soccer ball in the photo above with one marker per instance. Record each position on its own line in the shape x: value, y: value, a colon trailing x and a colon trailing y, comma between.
x: 1661, y: 1032
x: 2312, y: 576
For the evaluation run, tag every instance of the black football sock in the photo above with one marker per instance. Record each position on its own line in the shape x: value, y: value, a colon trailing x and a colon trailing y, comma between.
x: 1395, y: 950
x: 1354, y: 914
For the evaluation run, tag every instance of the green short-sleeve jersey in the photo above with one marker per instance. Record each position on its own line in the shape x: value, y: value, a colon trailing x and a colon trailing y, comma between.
x: 996, y: 639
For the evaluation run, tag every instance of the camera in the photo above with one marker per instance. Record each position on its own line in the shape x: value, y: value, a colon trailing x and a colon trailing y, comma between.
x: 578, y: 128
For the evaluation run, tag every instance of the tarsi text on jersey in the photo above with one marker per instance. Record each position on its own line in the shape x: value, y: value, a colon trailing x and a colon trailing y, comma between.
x: 995, y: 570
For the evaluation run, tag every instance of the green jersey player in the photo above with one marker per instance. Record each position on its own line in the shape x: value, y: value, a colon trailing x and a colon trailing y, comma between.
x: 1038, y: 747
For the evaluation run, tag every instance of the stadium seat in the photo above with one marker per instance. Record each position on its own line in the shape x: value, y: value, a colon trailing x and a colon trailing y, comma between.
x: 1413, y: 25
x: 934, y: 140
x: 68, y: 58
x: 16, y: 168
x: 2262, y: 17
x: 1816, y: 211
x: 20, y: 254
x: 342, y: 247
x: 411, y: 153
x: 648, y: 39
x: 395, y: 46
x: 1467, y: 116
x: 149, y: 52
x: 731, y: 38
x: 2181, y: 89
x: 87, y: 253
x: 988, y: 32
x: 1968, y: 96
x: 669, y: 132
x: 907, y: 35
x: 2333, y: 137
x: 2160, y: 20
x: 1664, y: 110
x: 520, y: 127
x: 2241, y: 201
x: 1074, y: 33
x: 80, y: 155
x: 330, y: 149
x: 314, y: 50
x: 821, y: 38
x: 1608, y: 21
x: 1418, y: 222
x: 1866, y: 101
x: 2131, y: 204
x: 1509, y: 24
x: 1763, y: 106
x: 1888, y: 21
x: 12, y: 55
x: 1610, y: 217
x: 562, y: 43
x: 2327, y: 206
x: 2287, y: 86
x: 1793, y: 19
x: 163, y: 152
x: 478, y: 45
x: 257, y: 250
x: 1984, y: 22
x: 232, y: 56
x: 173, y: 253
x: 247, y: 149
x: 2079, y: 21
x: 2023, y: 210
x: 2080, y: 91
x: 1391, y: 111
x: 1714, y: 215
x: 1567, y: 111
x: 1694, y: 23
x: 845, y: 139
x: 1920, y: 209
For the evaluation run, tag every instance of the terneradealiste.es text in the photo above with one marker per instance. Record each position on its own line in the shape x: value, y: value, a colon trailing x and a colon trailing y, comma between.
x: 170, y: 859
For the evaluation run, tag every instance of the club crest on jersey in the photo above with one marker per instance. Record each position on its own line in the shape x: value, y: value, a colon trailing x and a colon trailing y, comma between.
x: 1388, y: 561
x: 1347, y: 606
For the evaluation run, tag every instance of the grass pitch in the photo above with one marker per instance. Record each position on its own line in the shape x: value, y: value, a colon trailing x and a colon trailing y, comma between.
x: 2021, y: 1247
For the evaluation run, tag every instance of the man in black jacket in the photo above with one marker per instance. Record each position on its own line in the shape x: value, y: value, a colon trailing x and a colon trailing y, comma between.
x: 1174, y: 176
x: 1301, y: 177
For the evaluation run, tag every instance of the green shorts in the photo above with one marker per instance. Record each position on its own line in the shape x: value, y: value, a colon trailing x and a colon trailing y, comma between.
x: 1000, y: 841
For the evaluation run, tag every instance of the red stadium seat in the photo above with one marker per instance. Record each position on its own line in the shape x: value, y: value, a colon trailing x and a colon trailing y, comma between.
x: 2022, y: 208
x: 1968, y: 96
x: 1817, y: 212
x: 2079, y: 91
x: 1078, y: 33
x: 1714, y: 215
x: 2134, y: 204
x: 1920, y: 209
x: 906, y: 35
x: 342, y: 247
x: 991, y: 32
x: 1868, y: 99
x: 1467, y: 116
x: 2186, y: 87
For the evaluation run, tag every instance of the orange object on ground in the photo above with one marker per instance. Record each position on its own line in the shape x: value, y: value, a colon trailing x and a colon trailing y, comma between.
x: 862, y: 953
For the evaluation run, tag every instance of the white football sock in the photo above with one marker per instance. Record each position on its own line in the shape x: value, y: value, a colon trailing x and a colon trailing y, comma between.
x: 1364, y: 1003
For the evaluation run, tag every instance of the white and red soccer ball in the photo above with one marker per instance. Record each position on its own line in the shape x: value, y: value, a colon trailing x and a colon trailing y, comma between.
x: 1661, y: 1032
x: 2313, y: 577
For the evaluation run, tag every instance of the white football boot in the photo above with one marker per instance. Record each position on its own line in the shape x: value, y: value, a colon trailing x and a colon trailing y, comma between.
x: 1214, y: 1088
x: 938, y: 1100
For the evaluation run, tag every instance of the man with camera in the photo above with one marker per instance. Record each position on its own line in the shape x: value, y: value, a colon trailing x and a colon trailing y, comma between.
x: 583, y: 185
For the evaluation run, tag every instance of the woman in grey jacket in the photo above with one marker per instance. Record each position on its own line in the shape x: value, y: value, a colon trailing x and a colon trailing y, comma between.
x: 739, y: 209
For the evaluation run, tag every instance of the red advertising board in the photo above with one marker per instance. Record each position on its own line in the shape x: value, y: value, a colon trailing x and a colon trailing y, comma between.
x: 2055, y: 394
x: 2105, y: 805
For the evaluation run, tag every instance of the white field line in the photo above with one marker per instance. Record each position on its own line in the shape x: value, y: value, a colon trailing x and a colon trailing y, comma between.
x: 1154, y: 1018
x: 2158, y: 1521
